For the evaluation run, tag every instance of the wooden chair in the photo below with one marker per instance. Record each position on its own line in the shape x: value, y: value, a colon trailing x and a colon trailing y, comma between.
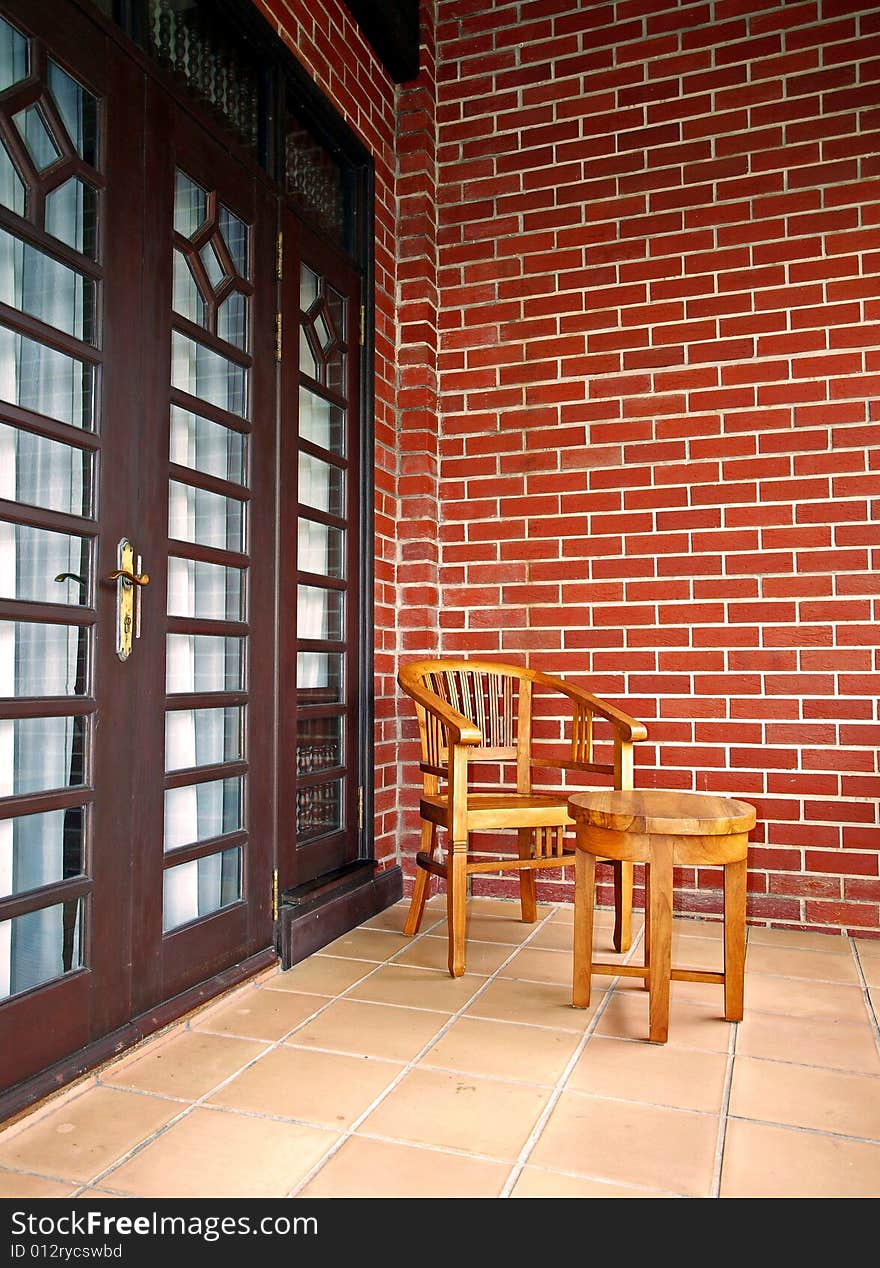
x: 474, y: 712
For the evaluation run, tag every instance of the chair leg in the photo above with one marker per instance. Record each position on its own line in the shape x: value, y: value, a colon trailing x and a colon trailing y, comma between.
x: 456, y: 905
x: 660, y: 956
x: 420, y: 886
x: 582, y: 936
x: 527, y: 893
x: 734, y: 939
x: 623, y: 902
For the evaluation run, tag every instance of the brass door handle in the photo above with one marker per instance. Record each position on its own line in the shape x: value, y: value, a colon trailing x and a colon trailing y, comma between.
x: 129, y: 583
x: 133, y: 578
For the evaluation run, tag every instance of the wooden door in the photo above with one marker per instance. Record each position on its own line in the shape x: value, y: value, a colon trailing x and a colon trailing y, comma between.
x: 320, y: 794
x: 137, y: 404
x: 71, y: 193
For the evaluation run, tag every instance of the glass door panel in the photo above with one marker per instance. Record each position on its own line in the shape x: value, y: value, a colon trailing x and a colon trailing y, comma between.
x: 319, y: 766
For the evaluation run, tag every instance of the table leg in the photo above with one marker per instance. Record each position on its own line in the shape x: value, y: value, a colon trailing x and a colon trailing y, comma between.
x: 584, y: 886
x: 660, y: 952
x: 734, y: 939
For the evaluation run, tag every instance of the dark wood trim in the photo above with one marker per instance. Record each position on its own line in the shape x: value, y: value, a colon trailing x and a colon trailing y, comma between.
x: 25, y: 1095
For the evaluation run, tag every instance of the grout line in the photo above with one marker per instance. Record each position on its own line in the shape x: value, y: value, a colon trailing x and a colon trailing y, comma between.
x: 866, y: 993
x: 561, y: 1082
x: 724, y: 1114
x: 350, y: 1131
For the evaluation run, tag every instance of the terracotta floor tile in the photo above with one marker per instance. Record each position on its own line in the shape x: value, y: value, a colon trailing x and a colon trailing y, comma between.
x: 186, y: 1065
x: 505, y: 908
x: 828, y: 942
x: 373, y: 1030
x: 681, y: 1078
x: 432, y: 952
x: 538, y: 964
x: 261, y: 1014
x: 215, y: 1153
x: 804, y: 1096
x: 508, y: 929
x: 792, y: 997
x: 321, y: 975
x: 668, y: 1150
x: 838, y: 1045
x: 819, y: 966
x: 418, y: 988
x: 316, y: 1087
x: 690, y: 1025
x: 394, y: 918
x: 458, y: 1111
x: 501, y: 1050
x: 534, y: 1004
x: 83, y: 1137
x: 382, y: 1169
x: 778, y: 1162
x: 537, y: 1183
x: 869, y: 959
x: 15, y: 1184
x: 366, y: 944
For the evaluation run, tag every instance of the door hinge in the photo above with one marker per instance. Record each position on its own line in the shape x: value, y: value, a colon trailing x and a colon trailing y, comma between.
x: 279, y: 256
x: 363, y: 324
x: 361, y: 808
x: 277, y: 336
x: 275, y: 894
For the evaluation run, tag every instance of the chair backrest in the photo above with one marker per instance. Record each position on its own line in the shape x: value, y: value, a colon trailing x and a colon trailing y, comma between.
x: 495, y: 701
x: 495, y: 697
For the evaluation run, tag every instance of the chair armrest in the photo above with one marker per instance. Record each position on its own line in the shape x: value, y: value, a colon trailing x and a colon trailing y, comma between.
x: 460, y: 729
x: 628, y: 728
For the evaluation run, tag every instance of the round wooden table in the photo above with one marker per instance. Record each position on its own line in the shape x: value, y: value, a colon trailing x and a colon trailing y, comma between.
x: 662, y: 829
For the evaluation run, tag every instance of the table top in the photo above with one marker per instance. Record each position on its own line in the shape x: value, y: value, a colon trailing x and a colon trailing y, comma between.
x: 662, y: 810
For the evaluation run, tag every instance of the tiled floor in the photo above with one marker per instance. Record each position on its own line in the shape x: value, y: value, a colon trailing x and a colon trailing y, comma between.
x: 367, y: 1071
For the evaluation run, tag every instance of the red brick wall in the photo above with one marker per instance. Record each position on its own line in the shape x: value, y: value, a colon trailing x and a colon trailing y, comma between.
x: 659, y: 246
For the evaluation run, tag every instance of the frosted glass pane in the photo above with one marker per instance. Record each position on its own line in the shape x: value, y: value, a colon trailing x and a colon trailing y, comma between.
x: 43, y: 472
x: 204, y: 662
x: 41, y: 566
x: 72, y: 215
x: 78, y: 110
x: 209, y: 592
x: 13, y: 55
x: 203, y: 737
x: 43, y: 944
x: 204, y: 373
x: 198, y: 443
x: 195, y: 889
x: 319, y: 613
x: 320, y: 549
x: 186, y: 297
x: 232, y: 320
x: 209, y: 519
x: 11, y: 187
x: 40, y: 849
x: 34, y: 283
x: 320, y: 422
x: 45, y: 381
x: 235, y: 235
x: 319, y: 677
x: 40, y: 754
x: 190, y: 205
x: 321, y: 485
x: 42, y: 660
x: 198, y: 812
x: 36, y: 135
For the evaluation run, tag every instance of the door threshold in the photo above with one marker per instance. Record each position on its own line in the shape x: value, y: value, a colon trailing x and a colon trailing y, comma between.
x: 315, y: 914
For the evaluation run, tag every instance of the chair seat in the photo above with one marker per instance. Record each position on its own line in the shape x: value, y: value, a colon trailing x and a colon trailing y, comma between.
x: 496, y: 811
